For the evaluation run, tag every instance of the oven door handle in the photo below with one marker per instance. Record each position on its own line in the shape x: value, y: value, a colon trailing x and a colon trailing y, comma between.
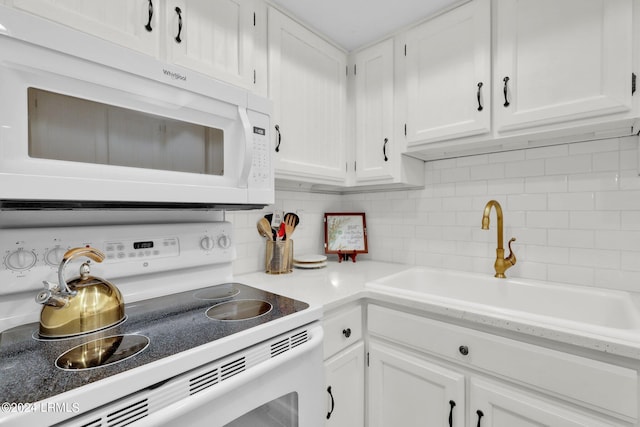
x: 243, y: 179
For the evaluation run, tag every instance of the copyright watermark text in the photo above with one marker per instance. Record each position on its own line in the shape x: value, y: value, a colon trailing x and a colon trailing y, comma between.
x: 65, y: 407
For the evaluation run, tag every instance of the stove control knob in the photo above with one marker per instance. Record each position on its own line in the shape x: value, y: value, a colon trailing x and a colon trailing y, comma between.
x: 224, y: 241
x: 206, y: 243
x: 54, y: 256
x: 20, y: 259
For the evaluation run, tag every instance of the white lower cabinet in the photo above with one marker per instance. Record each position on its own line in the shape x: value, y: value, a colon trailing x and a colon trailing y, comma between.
x: 406, y: 390
x: 344, y: 378
x: 425, y: 372
x: 344, y: 368
x: 493, y: 405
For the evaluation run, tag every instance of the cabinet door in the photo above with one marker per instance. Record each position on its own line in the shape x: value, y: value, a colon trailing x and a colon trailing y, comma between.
x: 214, y: 37
x: 408, y: 391
x: 448, y: 70
x: 374, y: 112
x: 131, y: 23
x: 492, y: 405
x: 563, y: 60
x: 307, y: 82
x: 344, y: 377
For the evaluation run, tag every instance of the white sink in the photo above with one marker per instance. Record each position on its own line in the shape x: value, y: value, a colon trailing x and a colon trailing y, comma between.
x: 562, y: 304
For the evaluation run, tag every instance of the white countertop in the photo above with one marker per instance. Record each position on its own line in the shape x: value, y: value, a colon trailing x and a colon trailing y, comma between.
x: 342, y: 283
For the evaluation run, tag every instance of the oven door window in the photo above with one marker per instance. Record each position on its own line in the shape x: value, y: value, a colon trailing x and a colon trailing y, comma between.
x: 72, y: 129
x: 281, y: 412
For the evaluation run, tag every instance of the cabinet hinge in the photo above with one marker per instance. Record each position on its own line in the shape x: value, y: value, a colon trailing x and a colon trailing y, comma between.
x: 633, y: 83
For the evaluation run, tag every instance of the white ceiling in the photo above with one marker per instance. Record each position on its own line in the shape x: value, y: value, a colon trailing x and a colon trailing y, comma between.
x: 353, y: 23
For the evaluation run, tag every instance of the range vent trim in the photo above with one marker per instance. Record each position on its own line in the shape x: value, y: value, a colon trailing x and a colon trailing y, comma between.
x: 129, y: 410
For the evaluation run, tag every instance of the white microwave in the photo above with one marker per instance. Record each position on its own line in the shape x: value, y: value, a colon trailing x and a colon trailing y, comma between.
x: 88, y: 122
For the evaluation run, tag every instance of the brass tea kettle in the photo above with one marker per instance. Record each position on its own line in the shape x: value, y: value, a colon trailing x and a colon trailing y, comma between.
x: 84, y: 304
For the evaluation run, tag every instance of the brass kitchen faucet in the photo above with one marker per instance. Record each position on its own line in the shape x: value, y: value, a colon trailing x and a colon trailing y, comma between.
x: 502, y: 264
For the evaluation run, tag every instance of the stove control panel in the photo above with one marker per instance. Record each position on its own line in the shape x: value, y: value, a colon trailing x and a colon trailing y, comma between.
x: 32, y: 255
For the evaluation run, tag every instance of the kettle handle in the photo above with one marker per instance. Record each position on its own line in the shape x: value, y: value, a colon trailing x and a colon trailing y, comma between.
x: 89, y: 252
x: 93, y: 253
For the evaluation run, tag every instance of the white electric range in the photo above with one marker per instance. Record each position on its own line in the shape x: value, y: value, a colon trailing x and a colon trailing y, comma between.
x: 195, y: 347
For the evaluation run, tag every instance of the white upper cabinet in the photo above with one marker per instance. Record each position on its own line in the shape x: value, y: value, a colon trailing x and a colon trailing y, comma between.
x: 131, y: 23
x: 448, y: 75
x: 224, y: 39
x: 307, y: 83
x: 375, y: 140
x: 215, y: 37
x: 563, y: 60
x: 493, y: 75
x: 378, y: 135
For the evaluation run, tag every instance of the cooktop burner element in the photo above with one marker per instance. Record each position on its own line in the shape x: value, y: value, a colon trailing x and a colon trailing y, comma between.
x: 218, y: 293
x: 102, y: 352
x: 239, y: 310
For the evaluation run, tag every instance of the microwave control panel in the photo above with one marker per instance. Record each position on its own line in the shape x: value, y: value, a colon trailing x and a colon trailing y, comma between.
x: 261, y: 175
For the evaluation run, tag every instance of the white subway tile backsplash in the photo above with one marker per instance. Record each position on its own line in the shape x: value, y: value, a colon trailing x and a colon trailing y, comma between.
x: 580, y: 163
x: 547, y: 152
x: 547, y: 219
x: 608, y: 161
x: 489, y: 171
x: 505, y: 186
x: 571, y: 238
x: 618, y: 200
x: 571, y: 201
x: 594, y: 257
x: 574, y: 209
x: 525, y: 202
x: 595, y: 220
x: 547, y: 184
x: 571, y: 274
x: 524, y: 168
x: 596, y: 181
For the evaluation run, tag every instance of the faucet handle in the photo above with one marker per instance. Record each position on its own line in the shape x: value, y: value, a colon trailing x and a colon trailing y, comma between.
x: 511, y: 258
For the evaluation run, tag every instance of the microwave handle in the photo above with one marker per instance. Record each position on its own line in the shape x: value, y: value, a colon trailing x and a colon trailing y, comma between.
x: 248, y: 148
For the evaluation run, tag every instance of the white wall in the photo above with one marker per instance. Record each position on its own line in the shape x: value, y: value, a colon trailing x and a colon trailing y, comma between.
x: 574, y: 209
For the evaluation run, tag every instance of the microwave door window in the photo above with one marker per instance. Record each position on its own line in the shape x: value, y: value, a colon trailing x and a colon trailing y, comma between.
x: 72, y: 129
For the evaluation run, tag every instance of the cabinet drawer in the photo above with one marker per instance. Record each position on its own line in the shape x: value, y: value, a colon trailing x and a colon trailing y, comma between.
x: 584, y: 381
x: 341, y: 330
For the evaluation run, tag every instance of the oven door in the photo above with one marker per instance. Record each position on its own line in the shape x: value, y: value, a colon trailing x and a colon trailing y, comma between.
x: 285, y: 391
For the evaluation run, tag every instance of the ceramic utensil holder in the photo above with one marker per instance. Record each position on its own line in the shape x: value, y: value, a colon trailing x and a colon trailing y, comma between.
x: 279, y: 256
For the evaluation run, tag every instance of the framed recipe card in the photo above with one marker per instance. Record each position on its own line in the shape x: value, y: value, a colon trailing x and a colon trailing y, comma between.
x: 345, y: 234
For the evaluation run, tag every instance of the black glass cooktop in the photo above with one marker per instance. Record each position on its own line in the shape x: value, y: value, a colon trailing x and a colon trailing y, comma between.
x: 172, y: 324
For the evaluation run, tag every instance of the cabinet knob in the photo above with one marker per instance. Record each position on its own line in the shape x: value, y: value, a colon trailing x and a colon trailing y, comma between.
x: 346, y: 332
x: 464, y: 350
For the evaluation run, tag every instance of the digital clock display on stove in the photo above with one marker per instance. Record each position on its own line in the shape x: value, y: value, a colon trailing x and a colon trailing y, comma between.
x: 143, y: 245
